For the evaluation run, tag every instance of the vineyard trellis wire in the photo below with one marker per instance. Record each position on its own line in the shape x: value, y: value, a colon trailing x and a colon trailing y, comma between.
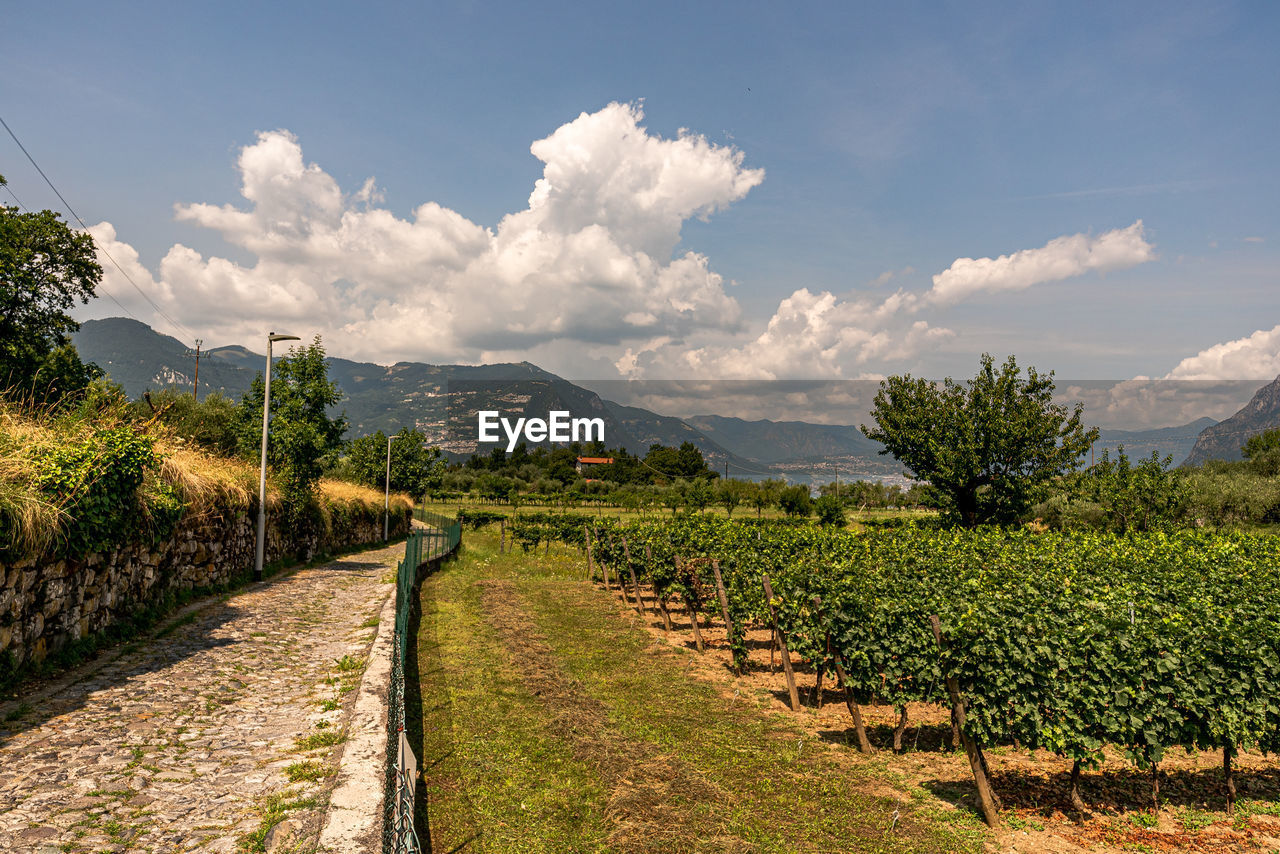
x: 439, y: 538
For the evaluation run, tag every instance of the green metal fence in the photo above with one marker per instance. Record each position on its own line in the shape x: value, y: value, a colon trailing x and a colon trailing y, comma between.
x: 440, y: 537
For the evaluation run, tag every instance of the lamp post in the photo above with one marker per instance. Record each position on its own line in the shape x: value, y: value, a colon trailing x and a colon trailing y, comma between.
x: 262, y: 475
x: 386, y: 500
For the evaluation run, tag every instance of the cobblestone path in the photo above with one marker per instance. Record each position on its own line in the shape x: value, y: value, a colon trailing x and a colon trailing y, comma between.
x: 206, y: 737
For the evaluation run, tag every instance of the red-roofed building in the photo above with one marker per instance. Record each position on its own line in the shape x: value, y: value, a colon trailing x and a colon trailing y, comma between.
x: 593, y: 461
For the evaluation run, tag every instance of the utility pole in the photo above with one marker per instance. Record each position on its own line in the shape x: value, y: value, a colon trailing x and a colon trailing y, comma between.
x: 195, y: 386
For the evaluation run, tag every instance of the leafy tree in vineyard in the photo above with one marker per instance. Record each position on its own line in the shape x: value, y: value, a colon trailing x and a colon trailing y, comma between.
x: 765, y: 494
x: 1134, y: 497
x: 988, y: 446
x: 830, y: 511
x: 795, y: 501
x: 731, y: 493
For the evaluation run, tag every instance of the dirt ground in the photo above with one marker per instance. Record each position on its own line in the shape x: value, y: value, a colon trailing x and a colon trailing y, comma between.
x: 1033, y: 785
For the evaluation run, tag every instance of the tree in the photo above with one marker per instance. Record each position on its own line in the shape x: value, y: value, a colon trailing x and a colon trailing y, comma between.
x: 416, y: 467
x: 1263, y: 453
x: 301, y: 433
x: 765, y: 494
x: 731, y: 493
x: 830, y: 511
x: 1134, y: 498
x: 989, y: 446
x: 698, y: 494
x: 210, y: 423
x: 45, y: 267
x: 795, y: 500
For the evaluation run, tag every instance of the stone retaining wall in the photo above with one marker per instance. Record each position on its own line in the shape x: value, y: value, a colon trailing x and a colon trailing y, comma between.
x: 44, y: 603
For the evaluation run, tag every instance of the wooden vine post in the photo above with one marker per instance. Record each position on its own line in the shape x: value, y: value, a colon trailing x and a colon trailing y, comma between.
x: 682, y: 566
x: 635, y: 585
x: 986, y: 801
x: 591, y: 571
x: 604, y: 565
x: 662, y: 600
x: 1229, y: 778
x: 782, y: 644
x: 502, y: 538
x: 864, y: 743
x: 724, y: 611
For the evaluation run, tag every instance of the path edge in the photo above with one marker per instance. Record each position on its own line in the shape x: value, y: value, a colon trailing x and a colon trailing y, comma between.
x: 353, y: 820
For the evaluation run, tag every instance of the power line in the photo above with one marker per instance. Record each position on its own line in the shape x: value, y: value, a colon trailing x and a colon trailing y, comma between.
x: 105, y: 292
x: 15, y: 196
x: 175, y: 324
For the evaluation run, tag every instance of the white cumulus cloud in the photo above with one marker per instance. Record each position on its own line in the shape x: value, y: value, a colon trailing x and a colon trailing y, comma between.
x: 810, y: 335
x: 593, y: 258
x: 1254, y: 357
x: 1060, y: 258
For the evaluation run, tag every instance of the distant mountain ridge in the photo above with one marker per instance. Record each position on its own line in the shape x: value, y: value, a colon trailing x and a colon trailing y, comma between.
x: 1175, y: 442
x: 1223, y: 441
x: 442, y: 400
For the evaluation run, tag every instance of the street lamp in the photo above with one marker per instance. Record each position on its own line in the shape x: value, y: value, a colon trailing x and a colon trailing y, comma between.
x: 262, y: 476
x: 386, y: 500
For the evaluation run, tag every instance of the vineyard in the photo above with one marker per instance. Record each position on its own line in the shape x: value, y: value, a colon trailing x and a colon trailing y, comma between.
x: 1064, y: 642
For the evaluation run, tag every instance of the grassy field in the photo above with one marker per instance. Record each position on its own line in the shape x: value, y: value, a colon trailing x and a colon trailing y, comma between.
x: 550, y: 721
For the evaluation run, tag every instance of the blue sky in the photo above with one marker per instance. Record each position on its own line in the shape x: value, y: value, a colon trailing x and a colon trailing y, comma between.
x: 894, y: 140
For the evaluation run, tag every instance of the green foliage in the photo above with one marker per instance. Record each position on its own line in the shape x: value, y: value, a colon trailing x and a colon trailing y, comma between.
x: 683, y: 462
x: 476, y: 519
x: 209, y: 423
x: 1060, y: 641
x: 732, y: 493
x: 1231, y: 494
x: 1263, y: 453
x: 97, y: 482
x: 1138, y: 498
x: 830, y: 511
x: 989, y: 447
x: 301, y: 432
x: 765, y: 494
x: 795, y: 500
x: 45, y: 267
x: 416, y: 467
x: 698, y: 493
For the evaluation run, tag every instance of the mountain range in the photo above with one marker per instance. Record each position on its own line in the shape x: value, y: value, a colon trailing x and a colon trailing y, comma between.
x: 442, y: 400
x: 1224, y: 440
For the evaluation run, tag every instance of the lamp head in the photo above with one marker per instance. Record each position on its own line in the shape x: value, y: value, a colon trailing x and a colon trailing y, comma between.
x: 280, y: 337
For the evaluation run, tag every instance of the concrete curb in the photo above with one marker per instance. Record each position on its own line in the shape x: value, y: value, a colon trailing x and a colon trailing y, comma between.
x: 353, y: 821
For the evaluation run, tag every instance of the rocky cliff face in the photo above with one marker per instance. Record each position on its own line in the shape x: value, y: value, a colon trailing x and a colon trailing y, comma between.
x: 1223, y: 440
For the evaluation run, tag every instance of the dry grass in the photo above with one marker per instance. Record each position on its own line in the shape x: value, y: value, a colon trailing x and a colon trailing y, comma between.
x: 350, y: 493
x: 206, y: 483
x: 28, y: 521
